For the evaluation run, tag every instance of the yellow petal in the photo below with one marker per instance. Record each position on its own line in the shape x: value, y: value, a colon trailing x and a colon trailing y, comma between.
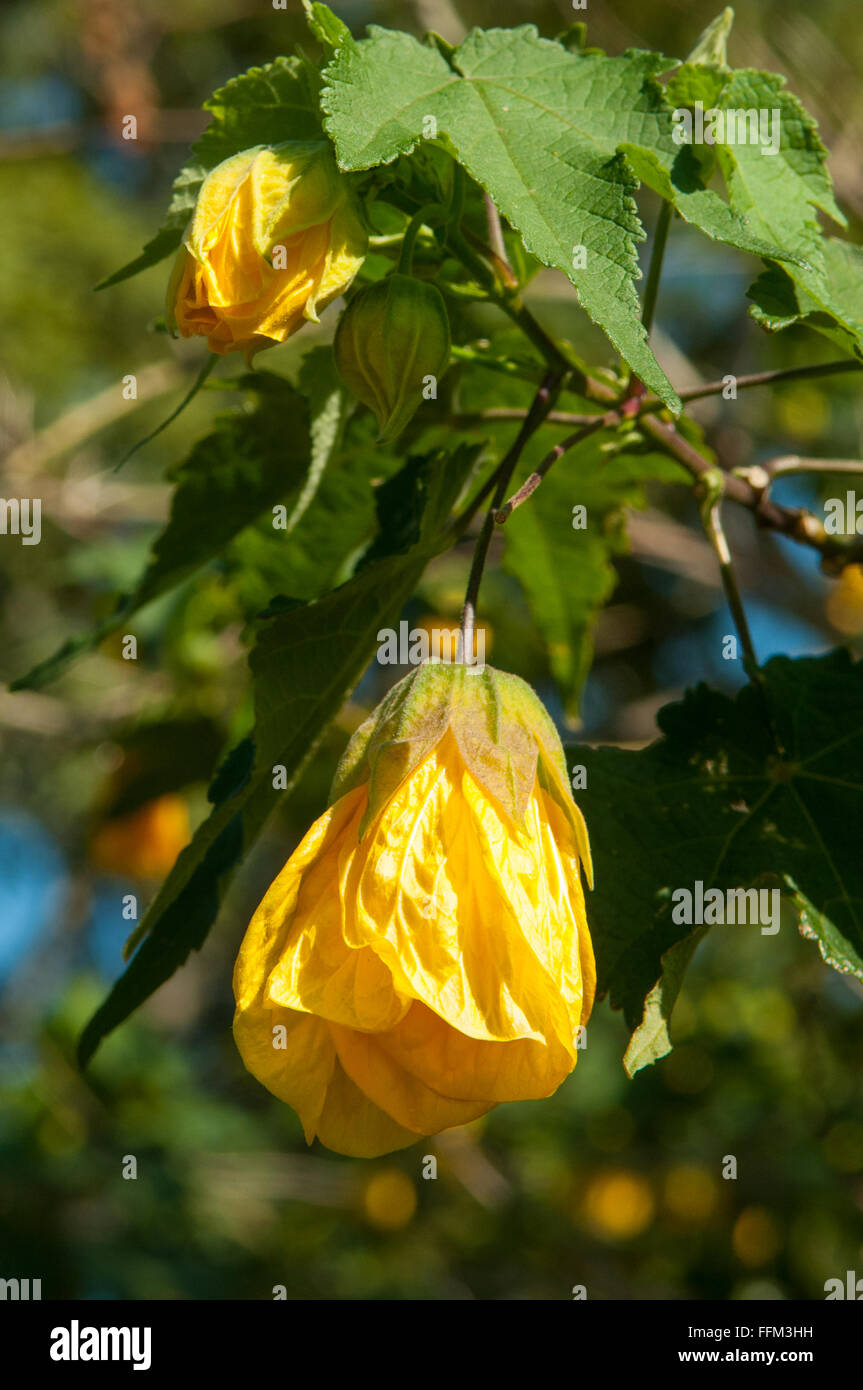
x: 411, y: 1102
x: 300, y: 1069
x: 352, y: 1124
x: 431, y: 899
x: 469, y: 1069
x: 294, y: 951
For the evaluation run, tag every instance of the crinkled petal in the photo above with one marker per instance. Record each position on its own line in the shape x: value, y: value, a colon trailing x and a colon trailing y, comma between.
x: 470, y: 1069
x: 430, y: 898
x: 294, y: 955
x: 411, y: 1102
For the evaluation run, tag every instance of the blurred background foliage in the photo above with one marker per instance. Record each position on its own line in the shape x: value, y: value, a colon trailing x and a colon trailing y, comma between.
x: 612, y: 1184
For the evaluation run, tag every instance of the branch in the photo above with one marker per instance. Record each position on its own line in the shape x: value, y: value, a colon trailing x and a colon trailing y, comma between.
x: 530, y: 485
x: 598, y: 391
x: 715, y: 388
x: 712, y: 487
x: 750, y: 488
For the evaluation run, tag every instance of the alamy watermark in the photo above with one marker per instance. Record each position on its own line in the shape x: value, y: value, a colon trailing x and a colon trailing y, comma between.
x: 21, y: 516
x: 418, y: 646
x: 755, y: 907
x: 715, y: 126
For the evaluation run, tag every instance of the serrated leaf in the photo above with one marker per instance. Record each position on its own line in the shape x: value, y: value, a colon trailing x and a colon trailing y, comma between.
x: 778, y: 196
x: 304, y: 664
x: 679, y: 182
x: 330, y: 31
x: 831, y: 303
x: 250, y: 462
x: 263, y: 106
x: 538, y: 128
x: 713, y: 801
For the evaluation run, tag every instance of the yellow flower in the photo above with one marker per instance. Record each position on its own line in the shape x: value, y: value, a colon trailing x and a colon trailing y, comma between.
x: 424, y: 953
x: 274, y: 238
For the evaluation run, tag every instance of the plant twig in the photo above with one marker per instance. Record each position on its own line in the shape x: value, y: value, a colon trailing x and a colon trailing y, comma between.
x: 784, y: 467
x: 743, y: 383
x: 495, y: 234
x: 541, y: 404
x: 660, y: 239
x: 652, y: 405
x: 530, y: 484
x: 713, y: 486
x: 750, y: 488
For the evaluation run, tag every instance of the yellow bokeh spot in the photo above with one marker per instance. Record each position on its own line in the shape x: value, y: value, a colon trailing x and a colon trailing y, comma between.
x: 390, y: 1199
x: 755, y: 1237
x: 690, y: 1193
x: 844, y: 605
x: 619, y: 1204
x: 144, y: 843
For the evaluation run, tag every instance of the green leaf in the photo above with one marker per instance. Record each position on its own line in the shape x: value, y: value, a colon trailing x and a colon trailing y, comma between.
x: 680, y: 183
x: 330, y: 31
x: 304, y: 664
x: 567, y: 573
x: 831, y: 303
x: 778, y: 197
x: 250, y: 462
x: 712, y: 46
x: 777, y: 194
x: 338, y: 521
x: 320, y: 384
x: 538, y: 128
x: 263, y: 106
x: 714, y: 801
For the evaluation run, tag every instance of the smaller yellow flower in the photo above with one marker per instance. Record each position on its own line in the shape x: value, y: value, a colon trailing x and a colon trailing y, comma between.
x: 274, y: 238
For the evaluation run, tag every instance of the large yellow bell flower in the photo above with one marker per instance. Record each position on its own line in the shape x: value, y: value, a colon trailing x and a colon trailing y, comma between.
x: 275, y: 236
x: 424, y: 953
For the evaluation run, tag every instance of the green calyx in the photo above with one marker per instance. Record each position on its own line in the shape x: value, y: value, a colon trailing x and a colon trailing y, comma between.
x: 504, y: 733
x: 392, y: 345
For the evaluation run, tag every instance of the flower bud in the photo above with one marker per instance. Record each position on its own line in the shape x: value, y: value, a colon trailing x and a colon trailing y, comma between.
x: 424, y: 954
x: 275, y: 236
x: 391, y: 338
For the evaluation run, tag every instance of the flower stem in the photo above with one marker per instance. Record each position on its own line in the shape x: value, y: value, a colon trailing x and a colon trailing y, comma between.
x: 541, y: 405
x: 432, y: 212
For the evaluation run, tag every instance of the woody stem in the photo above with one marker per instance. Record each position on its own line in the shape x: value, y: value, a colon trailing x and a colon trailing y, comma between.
x: 712, y: 520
